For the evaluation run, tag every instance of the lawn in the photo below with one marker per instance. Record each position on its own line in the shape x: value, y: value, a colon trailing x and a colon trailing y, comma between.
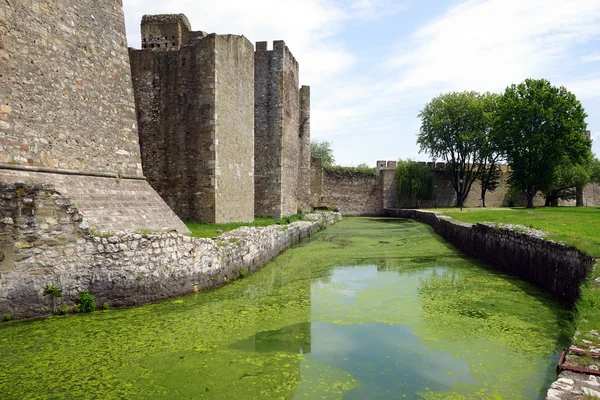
x: 202, y: 230
x: 577, y: 226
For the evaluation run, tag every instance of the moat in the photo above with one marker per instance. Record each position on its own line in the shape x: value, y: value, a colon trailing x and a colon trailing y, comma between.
x: 369, y: 308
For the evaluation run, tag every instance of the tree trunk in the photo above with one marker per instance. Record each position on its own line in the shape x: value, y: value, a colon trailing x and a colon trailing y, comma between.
x: 579, y: 196
x: 547, y: 204
x: 530, y: 195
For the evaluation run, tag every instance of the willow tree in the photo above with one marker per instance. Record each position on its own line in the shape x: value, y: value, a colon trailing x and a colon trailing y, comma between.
x: 415, y: 182
x: 537, y: 125
x: 455, y: 128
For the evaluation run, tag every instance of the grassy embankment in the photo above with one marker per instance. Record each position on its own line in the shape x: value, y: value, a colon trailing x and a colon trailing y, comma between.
x: 201, y: 230
x: 576, y: 226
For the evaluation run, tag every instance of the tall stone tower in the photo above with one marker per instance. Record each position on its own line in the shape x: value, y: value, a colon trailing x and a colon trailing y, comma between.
x: 195, y: 107
x: 279, y: 143
x: 67, y: 116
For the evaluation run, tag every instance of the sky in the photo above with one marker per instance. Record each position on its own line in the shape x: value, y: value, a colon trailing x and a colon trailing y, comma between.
x: 372, y: 65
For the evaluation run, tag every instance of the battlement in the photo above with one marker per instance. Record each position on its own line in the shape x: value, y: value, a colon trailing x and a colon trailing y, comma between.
x: 279, y: 47
x: 382, y: 164
x: 165, y: 32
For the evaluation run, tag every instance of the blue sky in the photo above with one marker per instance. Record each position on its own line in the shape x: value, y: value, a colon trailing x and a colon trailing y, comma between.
x: 373, y: 64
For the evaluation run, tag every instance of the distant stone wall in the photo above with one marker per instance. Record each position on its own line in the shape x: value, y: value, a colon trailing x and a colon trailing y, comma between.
x: 558, y: 268
x: 67, y: 113
x: 195, y: 108
x: 45, y: 240
x: 351, y: 194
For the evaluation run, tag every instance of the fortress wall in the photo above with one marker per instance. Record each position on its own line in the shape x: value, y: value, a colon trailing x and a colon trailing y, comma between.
x: 277, y: 142
x: 65, y: 87
x: 303, y: 190
x: 53, y: 245
x: 291, y: 130
x: 235, y: 129
x: 316, y: 182
x: 67, y: 111
x: 268, y: 130
x: 175, y: 97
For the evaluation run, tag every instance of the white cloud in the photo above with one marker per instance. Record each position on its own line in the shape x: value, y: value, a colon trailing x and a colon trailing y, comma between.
x: 485, y: 45
x: 307, y: 27
x: 592, y: 57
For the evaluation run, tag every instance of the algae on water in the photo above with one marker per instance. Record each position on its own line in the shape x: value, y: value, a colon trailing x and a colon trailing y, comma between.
x: 369, y: 308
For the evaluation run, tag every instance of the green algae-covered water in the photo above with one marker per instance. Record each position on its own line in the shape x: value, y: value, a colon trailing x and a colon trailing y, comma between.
x: 369, y: 309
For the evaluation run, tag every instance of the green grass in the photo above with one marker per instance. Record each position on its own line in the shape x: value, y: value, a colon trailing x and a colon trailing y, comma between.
x: 577, y: 226
x: 201, y: 230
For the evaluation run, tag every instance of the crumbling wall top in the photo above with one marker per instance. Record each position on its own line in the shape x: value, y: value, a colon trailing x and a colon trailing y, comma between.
x: 160, y: 19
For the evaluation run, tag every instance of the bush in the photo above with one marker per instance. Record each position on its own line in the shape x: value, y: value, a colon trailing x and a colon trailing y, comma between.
x: 85, y: 302
x: 8, y: 317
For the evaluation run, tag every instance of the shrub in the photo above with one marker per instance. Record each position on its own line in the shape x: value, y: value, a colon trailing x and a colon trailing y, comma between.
x: 86, y: 302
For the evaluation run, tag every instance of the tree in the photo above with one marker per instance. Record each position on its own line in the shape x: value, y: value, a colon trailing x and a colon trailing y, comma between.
x: 536, y: 125
x: 568, y: 179
x: 454, y: 127
x: 415, y: 181
x: 594, y: 170
x: 322, y: 149
x: 489, y: 179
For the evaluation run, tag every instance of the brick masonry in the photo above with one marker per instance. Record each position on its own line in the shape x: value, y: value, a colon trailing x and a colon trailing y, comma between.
x: 195, y: 107
x: 66, y: 104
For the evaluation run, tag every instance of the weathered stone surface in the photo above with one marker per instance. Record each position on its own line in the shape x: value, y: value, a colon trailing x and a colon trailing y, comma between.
x: 195, y: 103
x: 278, y: 145
x: 68, y: 114
x: 123, y: 268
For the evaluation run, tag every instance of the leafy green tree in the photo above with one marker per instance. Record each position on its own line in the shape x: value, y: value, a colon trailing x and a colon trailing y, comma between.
x: 455, y: 128
x: 594, y: 170
x: 569, y: 179
x: 536, y: 125
x: 415, y: 182
x: 322, y: 149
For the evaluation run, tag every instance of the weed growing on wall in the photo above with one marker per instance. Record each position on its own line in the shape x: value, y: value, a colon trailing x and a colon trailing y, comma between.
x: 85, y: 302
x: 53, y: 290
x: 8, y: 317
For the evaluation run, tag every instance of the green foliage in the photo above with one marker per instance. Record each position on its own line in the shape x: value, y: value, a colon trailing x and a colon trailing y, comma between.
x: 322, y: 149
x: 415, y: 182
x: 105, y: 306
x: 594, y: 170
x: 455, y: 127
x: 85, y: 302
x: 567, y: 177
x: 536, y: 125
x: 63, y: 309
x: 8, y: 316
x: 360, y: 170
x: 202, y: 230
x: 52, y: 290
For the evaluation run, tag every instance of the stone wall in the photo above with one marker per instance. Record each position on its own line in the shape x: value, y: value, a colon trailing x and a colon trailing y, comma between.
x: 44, y: 240
x: 351, y: 194
x: 557, y: 268
x: 277, y: 141
x: 67, y: 111
x: 235, y: 129
x: 195, y: 109
x: 304, y: 158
